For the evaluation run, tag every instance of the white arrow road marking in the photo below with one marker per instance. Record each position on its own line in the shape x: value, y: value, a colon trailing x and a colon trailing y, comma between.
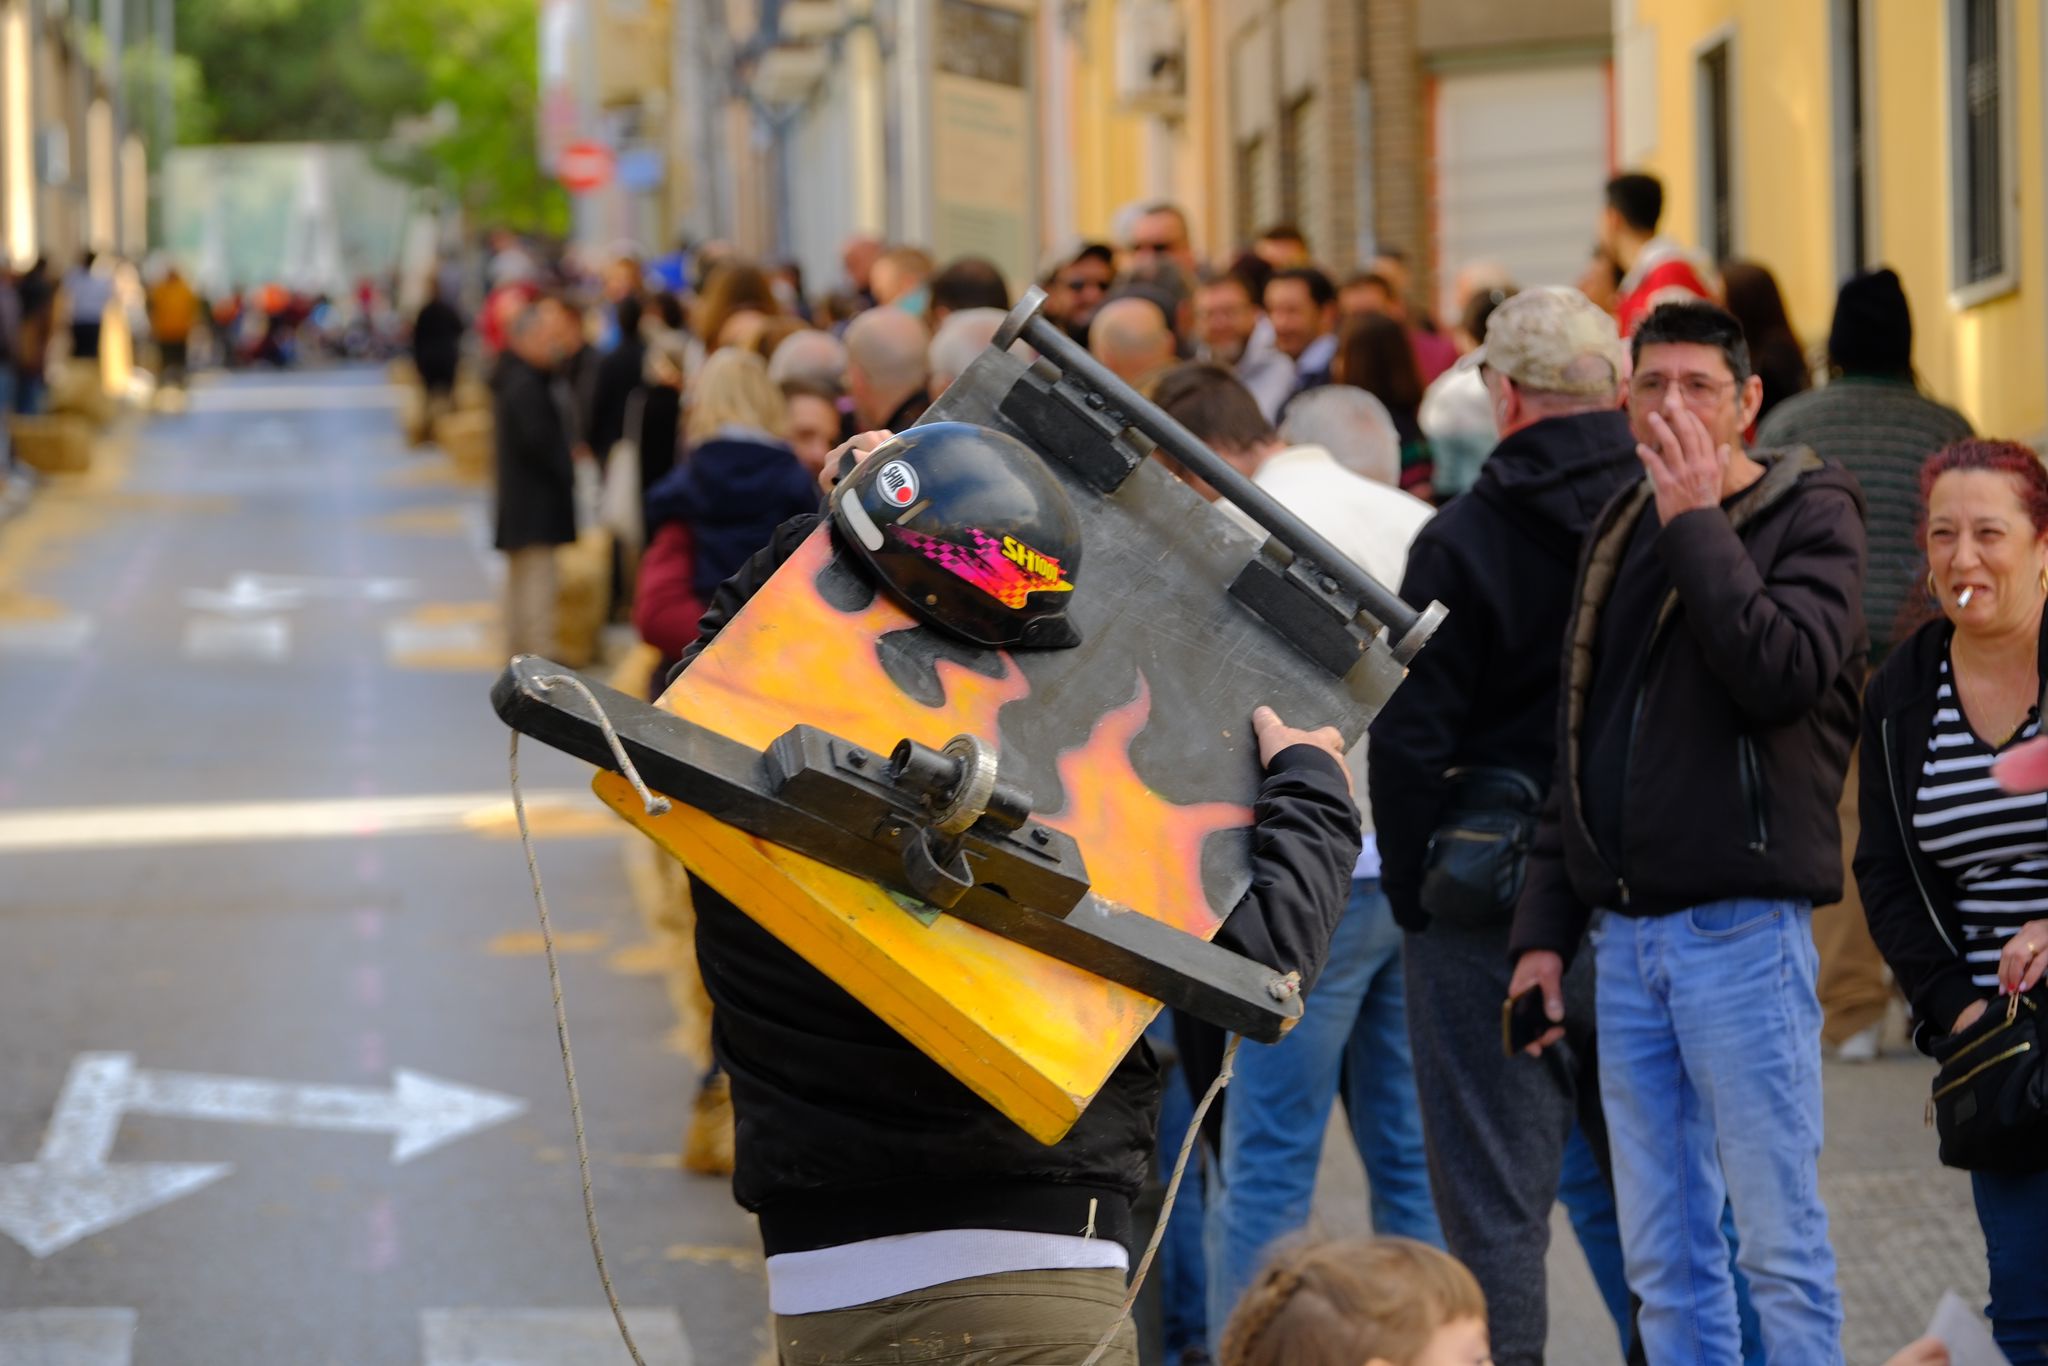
x: 67, y: 1337
x: 548, y: 1337
x: 341, y: 590
x: 420, y: 1112
x: 248, y: 594
x: 142, y: 827
x: 71, y: 1191
x: 244, y: 597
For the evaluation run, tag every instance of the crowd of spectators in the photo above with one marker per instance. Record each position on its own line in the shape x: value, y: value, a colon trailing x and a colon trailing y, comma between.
x: 1642, y: 710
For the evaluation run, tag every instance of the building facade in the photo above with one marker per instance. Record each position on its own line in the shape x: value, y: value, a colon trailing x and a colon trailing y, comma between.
x: 74, y: 173
x: 1454, y: 130
x: 1821, y: 137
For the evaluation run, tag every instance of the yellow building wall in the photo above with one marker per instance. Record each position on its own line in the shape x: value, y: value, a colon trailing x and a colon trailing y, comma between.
x: 1109, y: 145
x: 1990, y: 360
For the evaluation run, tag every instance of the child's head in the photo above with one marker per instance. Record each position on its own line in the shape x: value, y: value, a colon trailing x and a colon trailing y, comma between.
x: 1388, y: 1300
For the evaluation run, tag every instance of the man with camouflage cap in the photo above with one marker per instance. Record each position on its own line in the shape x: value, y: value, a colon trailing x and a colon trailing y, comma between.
x: 1466, y: 747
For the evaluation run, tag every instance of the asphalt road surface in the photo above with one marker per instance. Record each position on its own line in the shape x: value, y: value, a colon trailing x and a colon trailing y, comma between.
x: 279, y: 1079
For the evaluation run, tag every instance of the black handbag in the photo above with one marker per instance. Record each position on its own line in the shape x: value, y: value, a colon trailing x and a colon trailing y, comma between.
x: 1477, y: 860
x: 1990, y: 1101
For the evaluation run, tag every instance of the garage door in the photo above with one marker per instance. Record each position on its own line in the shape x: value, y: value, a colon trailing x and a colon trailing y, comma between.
x: 1520, y: 162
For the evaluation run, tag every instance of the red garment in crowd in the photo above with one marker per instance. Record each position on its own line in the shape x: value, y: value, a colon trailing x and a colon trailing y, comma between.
x: 1664, y: 273
x: 1434, y: 353
x: 665, y: 610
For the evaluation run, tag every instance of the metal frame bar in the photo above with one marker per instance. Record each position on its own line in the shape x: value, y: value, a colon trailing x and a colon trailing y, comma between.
x: 1408, y: 629
x: 730, y: 782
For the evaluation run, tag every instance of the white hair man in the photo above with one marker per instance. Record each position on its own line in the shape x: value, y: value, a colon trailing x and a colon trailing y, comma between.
x: 960, y: 338
x: 886, y: 369
x: 1352, y: 426
x: 811, y: 356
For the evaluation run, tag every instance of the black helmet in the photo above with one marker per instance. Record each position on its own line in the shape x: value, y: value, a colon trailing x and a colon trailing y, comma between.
x: 970, y: 530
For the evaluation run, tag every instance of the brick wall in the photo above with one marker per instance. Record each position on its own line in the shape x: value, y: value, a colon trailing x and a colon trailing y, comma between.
x: 1400, y: 134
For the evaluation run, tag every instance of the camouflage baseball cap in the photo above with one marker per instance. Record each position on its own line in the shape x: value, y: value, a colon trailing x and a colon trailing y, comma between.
x: 1535, y: 337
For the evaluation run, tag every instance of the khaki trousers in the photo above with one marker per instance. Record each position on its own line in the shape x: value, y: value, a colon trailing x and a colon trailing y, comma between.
x: 1854, y: 986
x: 1019, y: 1318
x: 531, y: 586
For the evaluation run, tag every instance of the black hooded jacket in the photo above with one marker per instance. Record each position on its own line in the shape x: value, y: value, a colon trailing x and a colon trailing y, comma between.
x: 846, y: 1132
x: 1712, y: 671
x: 1484, y: 690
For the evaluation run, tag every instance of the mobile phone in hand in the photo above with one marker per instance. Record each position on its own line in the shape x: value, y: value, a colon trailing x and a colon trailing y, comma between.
x: 1523, y: 1021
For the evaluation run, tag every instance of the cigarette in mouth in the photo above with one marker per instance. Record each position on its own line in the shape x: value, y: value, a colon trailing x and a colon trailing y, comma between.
x: 1963, y: 598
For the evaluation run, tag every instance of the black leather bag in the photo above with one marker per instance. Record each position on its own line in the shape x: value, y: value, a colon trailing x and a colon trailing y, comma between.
x: 1477, y: 860
x: 1990, y: 1101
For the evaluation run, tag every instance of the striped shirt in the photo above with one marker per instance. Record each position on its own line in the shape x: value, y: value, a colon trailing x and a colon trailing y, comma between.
x: 1994, y: 846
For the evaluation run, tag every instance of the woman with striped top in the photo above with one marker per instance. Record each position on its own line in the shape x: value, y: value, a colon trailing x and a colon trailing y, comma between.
x: 1953, y: 869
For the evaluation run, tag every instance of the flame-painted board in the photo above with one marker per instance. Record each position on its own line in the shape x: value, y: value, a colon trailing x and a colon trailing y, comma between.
x: 1137, y: 743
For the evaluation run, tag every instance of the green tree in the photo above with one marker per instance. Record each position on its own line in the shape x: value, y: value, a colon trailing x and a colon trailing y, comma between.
x: 353, y: 70
x: 293, y: 71
x: 480, y: 60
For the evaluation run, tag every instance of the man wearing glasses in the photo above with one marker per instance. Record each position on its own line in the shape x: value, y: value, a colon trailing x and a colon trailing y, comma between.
x: 1161, y: 230
x: 1713, y: 662
x: 1075, y: 285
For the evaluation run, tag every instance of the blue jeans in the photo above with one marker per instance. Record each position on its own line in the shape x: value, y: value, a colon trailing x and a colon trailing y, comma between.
x: 1353, y: 1036
x: 1182, y: 1303
x: 2013, y: 1211
x: 1710, y: 1077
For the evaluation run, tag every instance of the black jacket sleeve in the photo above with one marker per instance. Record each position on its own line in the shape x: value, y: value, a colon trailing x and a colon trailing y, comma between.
x: 1778, y: 644
x: 1416, y: 734
x: 1935, y: 978
x: 1304, y: 845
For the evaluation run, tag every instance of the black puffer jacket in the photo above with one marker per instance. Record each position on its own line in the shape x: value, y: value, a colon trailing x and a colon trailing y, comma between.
x: 1484, y: 690
x: 847, y: 1132
x: 1740, y: 727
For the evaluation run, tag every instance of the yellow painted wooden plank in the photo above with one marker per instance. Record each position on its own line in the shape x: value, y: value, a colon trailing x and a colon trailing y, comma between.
x: 1034, y: 1037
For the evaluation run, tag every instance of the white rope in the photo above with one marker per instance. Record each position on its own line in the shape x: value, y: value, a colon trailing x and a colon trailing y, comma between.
x: 655, y: 805
x: 1180, y: 1166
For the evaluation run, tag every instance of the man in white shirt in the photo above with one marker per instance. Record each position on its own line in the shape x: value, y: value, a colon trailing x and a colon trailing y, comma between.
x: 1354, y: 1036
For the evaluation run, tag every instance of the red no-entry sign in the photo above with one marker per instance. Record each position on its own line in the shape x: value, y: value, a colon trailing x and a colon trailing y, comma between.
x: 585, y: 166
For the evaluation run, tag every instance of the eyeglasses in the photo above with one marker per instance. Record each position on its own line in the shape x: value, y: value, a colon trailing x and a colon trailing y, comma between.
x: 1697, y: 391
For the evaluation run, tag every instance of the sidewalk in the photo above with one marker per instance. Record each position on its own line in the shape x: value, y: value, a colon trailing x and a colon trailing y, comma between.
x: 1903, y: 1226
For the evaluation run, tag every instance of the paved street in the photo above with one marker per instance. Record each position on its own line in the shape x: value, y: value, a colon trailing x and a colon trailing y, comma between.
x: 278, y: 1074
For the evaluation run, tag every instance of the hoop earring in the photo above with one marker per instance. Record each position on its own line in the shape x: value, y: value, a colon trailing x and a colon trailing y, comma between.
x: 2044, y: 578
x: 1935, y: 593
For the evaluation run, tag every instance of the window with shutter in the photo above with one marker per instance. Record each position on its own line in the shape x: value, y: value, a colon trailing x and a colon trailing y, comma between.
x: 1980, y: 148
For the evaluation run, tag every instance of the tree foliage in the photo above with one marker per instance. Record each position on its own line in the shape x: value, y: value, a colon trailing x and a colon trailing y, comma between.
x: 356, y: 70
x: 480, y: 60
